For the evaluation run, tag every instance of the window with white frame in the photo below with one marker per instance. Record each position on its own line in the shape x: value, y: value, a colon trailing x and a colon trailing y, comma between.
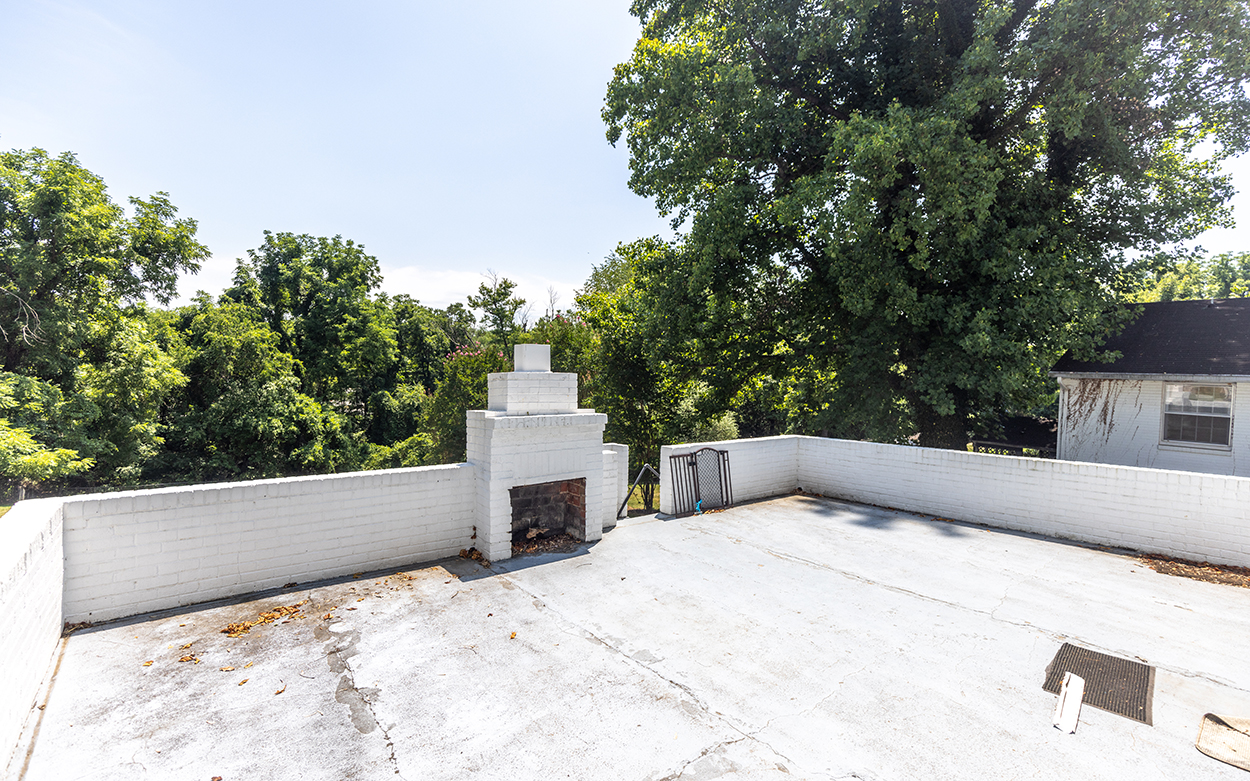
x: 1198, y: 414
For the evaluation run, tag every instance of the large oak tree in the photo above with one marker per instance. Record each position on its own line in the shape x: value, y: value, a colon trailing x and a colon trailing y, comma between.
x: 928, y: 200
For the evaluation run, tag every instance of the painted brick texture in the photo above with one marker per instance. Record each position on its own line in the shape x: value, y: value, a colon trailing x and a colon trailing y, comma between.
x: 1186, y: 514
x: 136, y: 552
x: 766, y: 466
x: 31, y: 572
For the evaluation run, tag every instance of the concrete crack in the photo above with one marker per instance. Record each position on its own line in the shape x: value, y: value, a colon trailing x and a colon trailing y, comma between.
x: 360, y: 707
x: 714, y: 747
x: 698, y: 701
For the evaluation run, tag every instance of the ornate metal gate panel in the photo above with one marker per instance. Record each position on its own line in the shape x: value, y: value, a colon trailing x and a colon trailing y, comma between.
x: 701, y: 481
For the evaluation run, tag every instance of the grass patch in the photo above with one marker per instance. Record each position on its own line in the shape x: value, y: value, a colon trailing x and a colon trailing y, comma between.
x: 4, y: 508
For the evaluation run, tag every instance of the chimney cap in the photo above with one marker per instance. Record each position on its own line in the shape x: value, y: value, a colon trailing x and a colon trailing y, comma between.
x: 531, y: 358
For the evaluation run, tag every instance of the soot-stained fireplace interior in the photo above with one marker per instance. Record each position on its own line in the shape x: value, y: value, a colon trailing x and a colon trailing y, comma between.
x: 548, y: 509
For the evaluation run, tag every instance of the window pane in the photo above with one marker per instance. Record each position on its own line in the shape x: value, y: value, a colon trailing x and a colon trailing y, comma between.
x: 1199, y: 399
x: 1172, y: 427
x: 1202, y: 426
x: 1205, y: 429
x: 1220, y: 430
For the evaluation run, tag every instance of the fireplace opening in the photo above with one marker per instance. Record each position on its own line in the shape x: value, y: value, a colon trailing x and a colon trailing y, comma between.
x: 544, y: 511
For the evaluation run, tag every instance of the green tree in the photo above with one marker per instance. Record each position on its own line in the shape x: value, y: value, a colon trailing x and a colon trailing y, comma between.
x: 315, y: 294
x: 642, y: 396
x: 69, y: 256
x: 463, y: 387
x: 28, y: 453
x: 929, y: 201
x: 1223, y: 276
x: 128, y: 383
x: 574, y: 348
x: 422, y: 343
x: 241, y: 414
x: 500, y: 308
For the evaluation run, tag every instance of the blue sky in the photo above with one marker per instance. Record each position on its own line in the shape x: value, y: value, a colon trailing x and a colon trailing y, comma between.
x: 448, y: 138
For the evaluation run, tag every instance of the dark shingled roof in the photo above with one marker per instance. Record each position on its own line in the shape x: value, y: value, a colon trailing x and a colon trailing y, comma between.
x: 1178, y: 337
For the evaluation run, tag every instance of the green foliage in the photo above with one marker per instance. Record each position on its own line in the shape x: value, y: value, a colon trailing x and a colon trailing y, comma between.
x: 462, y: 388
x: 69, y: 257
x: 1223, y: 276
x: 928, y: 203
x: 314, y: 293
x: 421, y: 340
x: 500, y: 308
x: 574, y: 348
x: 128, y: 384
x: 242, y: 415
x: 23, y: 458
x: 27, y: 462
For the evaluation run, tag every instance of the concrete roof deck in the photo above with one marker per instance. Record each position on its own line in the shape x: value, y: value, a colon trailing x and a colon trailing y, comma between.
x: 792, y: 638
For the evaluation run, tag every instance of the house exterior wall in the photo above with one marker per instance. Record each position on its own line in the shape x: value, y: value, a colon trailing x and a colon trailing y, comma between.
x: 1111, y: 421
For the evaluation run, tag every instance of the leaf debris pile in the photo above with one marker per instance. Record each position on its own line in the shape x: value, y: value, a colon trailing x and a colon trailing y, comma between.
x: 1198, y: 570
x: 473, y: 554
x: 555, y: 543
x: 288, y: 612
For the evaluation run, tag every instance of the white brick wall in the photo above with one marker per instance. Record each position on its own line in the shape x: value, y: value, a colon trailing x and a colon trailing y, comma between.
x: 532, y: 393
x: 1186, y: 514
x: 615, y: 481
x: 139, y: 551
x: 31, y: 571
x: 766, y: 466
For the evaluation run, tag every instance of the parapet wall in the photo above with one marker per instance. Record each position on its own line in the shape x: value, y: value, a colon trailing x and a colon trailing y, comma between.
x: 30, y: 602
x: 1184, y: 514
x: 139, y: 551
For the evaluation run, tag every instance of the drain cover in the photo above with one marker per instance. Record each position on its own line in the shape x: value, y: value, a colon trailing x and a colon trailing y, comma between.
x: 1111, y: 683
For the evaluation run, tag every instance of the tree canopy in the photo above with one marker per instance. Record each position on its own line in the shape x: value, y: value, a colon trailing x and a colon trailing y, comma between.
x: 925, y: 201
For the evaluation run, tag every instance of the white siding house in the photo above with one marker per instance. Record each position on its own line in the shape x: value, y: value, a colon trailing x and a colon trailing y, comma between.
x: 1177, y: 398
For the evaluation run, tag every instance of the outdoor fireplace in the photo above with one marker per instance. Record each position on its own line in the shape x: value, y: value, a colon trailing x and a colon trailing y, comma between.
x: 541, y: 462
x: 546, y: 509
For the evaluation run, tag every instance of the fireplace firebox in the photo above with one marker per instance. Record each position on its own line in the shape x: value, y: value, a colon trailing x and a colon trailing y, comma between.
x: 547, y: 509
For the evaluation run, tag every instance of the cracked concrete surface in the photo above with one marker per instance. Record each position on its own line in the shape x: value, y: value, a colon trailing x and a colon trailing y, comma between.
x: 795, y: 638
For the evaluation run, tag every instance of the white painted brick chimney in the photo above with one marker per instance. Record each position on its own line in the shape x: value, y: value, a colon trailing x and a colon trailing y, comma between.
x: 533, y: 432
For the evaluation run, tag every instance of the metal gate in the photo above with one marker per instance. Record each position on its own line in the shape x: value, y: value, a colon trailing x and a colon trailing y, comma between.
x: 701, y: 481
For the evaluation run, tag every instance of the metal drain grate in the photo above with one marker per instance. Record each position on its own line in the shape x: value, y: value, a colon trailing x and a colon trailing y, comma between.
x: 1111, y: 683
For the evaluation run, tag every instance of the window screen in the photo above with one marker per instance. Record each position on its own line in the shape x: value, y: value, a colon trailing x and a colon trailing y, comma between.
x: 1198, y: 413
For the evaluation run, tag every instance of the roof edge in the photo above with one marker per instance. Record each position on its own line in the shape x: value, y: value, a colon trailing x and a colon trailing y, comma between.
x: 1140, y: 376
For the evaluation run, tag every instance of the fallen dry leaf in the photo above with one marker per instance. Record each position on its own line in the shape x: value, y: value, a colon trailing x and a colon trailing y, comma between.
x: 351, y: 608
x: 513, y: 636
x: 362, y: 599
x: 279, y: 691
x: 147, y: 664
x: 216, y: 778
x: 327, y: 616
x: 249, y: 664
x: 268, y: 617
x: 245, y: 680
x: 226, y: 669
x: 188, y: 645
x: 187, y: 659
